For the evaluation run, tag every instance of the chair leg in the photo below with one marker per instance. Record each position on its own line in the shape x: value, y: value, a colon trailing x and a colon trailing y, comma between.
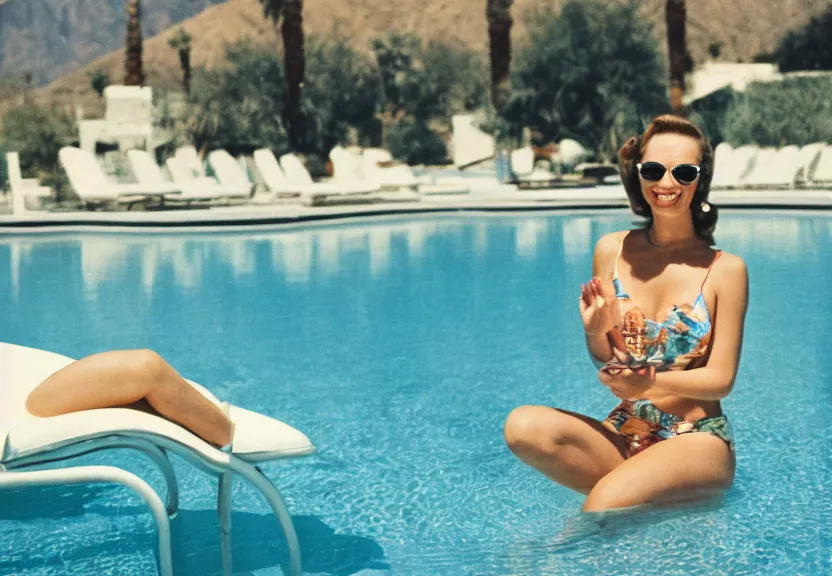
x: 159, y: 456
x: 172, y: 504
x: 278, y: 506
x: 109, y: 474
x: 226, y: 480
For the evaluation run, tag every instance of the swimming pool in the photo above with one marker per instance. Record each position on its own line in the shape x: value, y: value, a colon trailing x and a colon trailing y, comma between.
x: 399, y: 347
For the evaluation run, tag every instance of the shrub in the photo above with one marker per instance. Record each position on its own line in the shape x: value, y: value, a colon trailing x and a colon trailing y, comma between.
x: 795, y: 111
x: 430, y: 82
x: 425, y: 86
x: 99, y: 80
x: 593, y: 72
x: 37, y: 134
x: 239, y: 106
x: 415, y: 143
x: 4, y: 169
x: 341, y: 95
x: 806, y: 49
x: 711, y: 114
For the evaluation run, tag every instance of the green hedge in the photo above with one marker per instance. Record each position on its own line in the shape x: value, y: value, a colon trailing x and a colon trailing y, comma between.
x: 796, y: 111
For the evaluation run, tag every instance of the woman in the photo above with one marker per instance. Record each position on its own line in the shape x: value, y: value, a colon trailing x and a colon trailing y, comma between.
x: 127, y: 377
x: 667, y: 440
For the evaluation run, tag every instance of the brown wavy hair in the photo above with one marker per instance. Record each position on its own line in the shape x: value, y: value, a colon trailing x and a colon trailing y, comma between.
x: 704, y: 214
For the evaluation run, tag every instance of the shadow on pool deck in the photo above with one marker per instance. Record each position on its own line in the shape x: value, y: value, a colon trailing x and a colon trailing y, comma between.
x: 257, y: 540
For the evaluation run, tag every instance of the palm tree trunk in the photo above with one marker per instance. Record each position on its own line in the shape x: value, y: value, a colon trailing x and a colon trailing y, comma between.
x: 294, y: 62
x: 675, y: 13
x: 498, y: 13
x: 134, y: 74
x: 185, y: 63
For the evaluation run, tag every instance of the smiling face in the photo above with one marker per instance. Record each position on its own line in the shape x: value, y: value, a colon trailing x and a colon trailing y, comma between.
x: 667, y: 196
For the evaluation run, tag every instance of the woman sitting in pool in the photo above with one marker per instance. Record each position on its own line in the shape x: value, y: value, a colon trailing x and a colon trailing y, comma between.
x: 131, y: 378
x: 667, y: 440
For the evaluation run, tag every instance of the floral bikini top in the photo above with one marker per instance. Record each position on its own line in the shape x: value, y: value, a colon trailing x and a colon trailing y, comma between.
x: 684, y: 335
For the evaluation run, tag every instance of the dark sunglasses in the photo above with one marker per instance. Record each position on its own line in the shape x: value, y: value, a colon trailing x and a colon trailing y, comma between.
x: 683, y: 173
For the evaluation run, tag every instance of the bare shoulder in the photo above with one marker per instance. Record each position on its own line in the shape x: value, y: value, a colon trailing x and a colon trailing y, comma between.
x: 731, y: 279
x: 609, y: 244
x: 731, y: 269
x: 606, y: 251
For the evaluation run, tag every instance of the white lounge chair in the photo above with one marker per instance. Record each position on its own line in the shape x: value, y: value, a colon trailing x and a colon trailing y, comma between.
x: 25, y: 193
x: 822, y: 176
x: 28, y: 445
x: 731, y: 166
x: 377, y: 166
x: 146, y: 171
x: 94, y: 187
x: 775, y: 168
x: 189, y: 158
x: 723, y: 154
x: 527, y: 175
x: 229, y: 173
x: 730, y: 170
x: 183, y: 174
x: 296, y: 172
x: 282, y: 187
x: 522, y: 161
x: 808, y: 160
x: 470, y: 144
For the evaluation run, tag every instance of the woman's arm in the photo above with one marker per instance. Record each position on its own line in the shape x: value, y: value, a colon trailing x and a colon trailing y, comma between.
x: 715, y: 380
x: 603, y: 259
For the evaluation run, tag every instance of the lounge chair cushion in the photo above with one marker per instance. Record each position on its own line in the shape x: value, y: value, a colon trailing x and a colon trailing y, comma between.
x: 257, y: 437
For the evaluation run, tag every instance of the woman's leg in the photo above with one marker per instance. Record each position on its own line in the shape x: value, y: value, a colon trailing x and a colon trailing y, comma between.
x: 686, y: 467
x: 571, y: 449
x: 122, y: 377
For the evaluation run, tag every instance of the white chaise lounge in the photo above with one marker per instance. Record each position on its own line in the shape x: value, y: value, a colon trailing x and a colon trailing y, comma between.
x: 147, y: 172
x: 25, y: 192
x: 30, y: 445
x: 184, y: 175
x: 296, y: 172
x: 808, y: 161
x: 378, y: 166
x: 280, y: 186
x: 774, y: 168
x: 93, y: 186
x: 732, y: 165
x: 822, y: 176
x: 229, y: 173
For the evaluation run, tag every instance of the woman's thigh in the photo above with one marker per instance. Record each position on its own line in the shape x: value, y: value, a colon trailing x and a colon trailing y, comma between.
x: 686, y: 467
x: 570, y: 448
x: 114, y: 378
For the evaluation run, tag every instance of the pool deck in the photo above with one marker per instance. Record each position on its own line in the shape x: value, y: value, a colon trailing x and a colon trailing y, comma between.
x: 383, y: 204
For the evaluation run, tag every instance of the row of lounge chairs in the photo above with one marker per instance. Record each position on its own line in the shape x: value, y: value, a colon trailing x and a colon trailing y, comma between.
x: 189, y: 181
x: 224, y: 179
x: 752, y: 167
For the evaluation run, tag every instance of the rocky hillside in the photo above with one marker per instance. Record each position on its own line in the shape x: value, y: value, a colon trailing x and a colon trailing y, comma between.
x: 52, y: 37
x: 48, y: 38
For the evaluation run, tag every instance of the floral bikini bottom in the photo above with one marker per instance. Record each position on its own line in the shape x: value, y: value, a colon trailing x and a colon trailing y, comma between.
x: 642, y: 424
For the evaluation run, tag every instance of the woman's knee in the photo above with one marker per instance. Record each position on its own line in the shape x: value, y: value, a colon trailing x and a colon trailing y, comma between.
x: 603, y: 497
x: 534, y: 428
x: 146, y: 366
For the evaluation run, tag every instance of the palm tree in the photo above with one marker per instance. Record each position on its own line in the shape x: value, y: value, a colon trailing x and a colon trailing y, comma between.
x: 181, y: 42
x: 288, y: 14
x: 134, y: 74
x: 498, y: 13
x: 680, y: 63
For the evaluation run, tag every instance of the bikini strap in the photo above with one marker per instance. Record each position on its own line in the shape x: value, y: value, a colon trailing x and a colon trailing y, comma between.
x: 618, y: 257
x: 708, y: 273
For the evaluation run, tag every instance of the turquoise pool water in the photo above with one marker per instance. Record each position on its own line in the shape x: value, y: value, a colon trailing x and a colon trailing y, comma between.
x: 399, y: 347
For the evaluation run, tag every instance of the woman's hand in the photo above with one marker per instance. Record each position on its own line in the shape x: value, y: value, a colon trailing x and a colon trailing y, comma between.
x: 599, y: 307
x: 626, y: 383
